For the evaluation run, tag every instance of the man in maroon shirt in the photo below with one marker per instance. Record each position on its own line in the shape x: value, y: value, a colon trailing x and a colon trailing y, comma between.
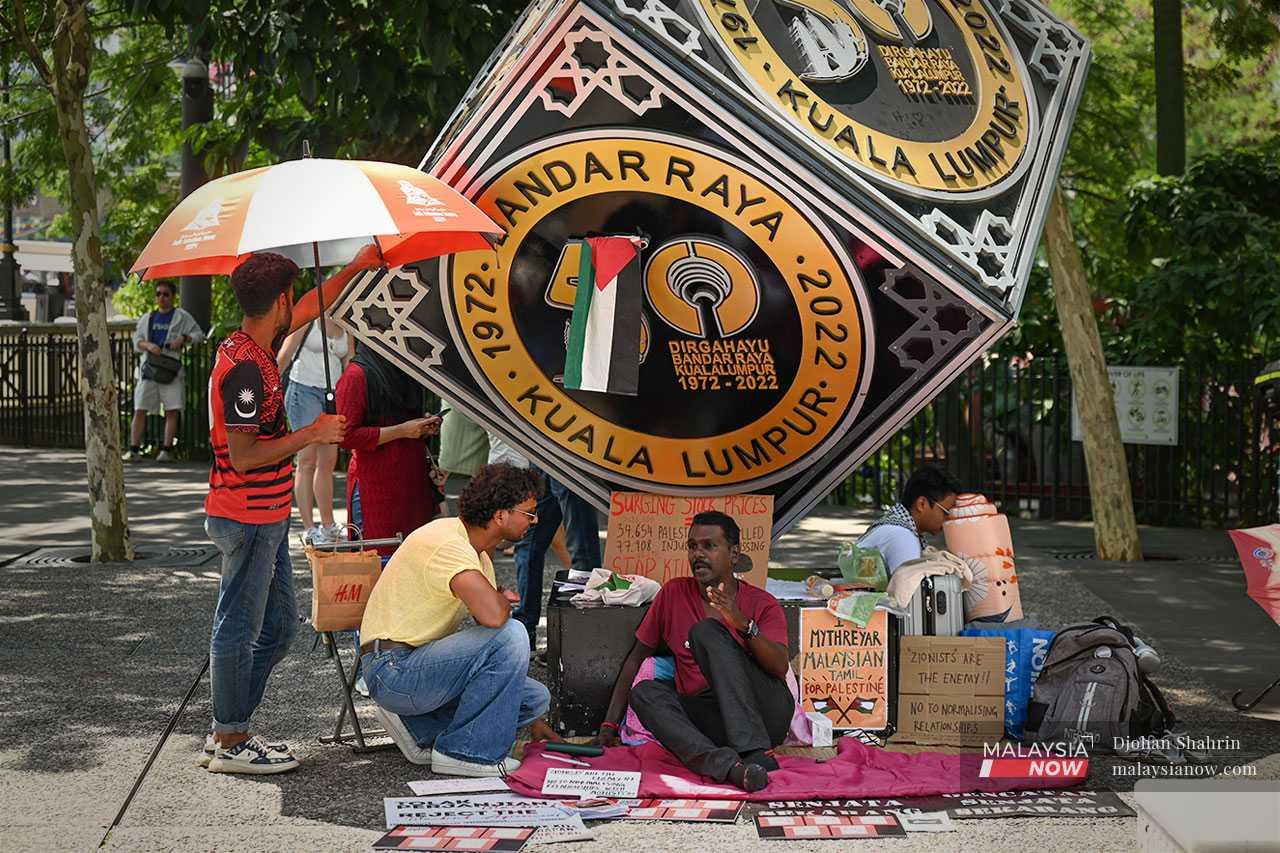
x: 730, y: 702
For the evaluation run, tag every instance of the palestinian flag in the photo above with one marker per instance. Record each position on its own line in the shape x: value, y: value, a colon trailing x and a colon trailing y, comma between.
x: 604, y: 335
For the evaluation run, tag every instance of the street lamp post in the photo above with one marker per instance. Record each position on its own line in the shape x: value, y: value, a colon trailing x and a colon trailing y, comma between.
x: 197, y: 108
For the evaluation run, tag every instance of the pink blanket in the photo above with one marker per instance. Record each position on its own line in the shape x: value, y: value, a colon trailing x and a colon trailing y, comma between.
x: 857, y: 772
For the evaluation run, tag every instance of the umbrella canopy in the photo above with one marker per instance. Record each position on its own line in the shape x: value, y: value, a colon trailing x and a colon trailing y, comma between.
x: 337, y: 205
x: 1258, y: 548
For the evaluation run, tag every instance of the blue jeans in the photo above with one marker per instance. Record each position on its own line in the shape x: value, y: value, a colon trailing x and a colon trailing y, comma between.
x: 582, y: 534
x: 256, y: 616
x: 303, y: 404
x: 464, y: 695
x: 357, y: 513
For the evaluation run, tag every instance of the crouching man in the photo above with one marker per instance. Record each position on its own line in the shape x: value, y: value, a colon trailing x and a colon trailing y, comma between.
x: 730, y: 702
x: 454, y: 699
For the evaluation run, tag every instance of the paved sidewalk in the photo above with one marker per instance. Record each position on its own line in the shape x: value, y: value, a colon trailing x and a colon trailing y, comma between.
x: 94, y: 660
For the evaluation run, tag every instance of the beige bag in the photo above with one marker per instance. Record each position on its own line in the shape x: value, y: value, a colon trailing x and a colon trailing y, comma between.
x: 340, y: 585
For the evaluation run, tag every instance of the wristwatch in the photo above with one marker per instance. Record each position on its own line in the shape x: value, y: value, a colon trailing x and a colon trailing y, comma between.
x: 753, y: 630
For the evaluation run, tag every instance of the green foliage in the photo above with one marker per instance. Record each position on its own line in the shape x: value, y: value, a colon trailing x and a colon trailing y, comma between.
x: 352, y: 77
x: 1233, y: 90
x: 1208, y: 246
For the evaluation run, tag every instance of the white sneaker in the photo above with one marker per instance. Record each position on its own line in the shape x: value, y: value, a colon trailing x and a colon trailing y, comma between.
x: 252, y: 756
x: 402, y: 736
x: 211, y: 746
x: 164, y: 456
x: 316, y: 536
x: 336, y: 532
x: 445, y: 765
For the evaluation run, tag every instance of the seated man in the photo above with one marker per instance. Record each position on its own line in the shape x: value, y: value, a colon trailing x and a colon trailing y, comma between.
x: 730, y: 702
x: 454, y: 699
x: 923, y: 505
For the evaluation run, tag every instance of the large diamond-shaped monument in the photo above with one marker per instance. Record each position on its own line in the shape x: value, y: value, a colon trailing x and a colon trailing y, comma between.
x: 840, y: 199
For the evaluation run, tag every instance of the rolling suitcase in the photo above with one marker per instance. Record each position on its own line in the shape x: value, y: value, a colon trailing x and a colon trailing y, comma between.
x: 937, y: 608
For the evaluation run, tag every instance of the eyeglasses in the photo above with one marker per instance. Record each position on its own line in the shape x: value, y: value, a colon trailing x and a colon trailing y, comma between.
x: 532, y: 515
x: 945, y: 510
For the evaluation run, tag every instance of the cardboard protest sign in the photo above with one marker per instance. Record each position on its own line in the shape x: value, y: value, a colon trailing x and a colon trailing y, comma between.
x: 648, y: 533
x: 844, y: 669
x: 709, y: 811
x: 826, y: 827
x: 951, y: 690
x: 591, y: 783
x: 490, y: 839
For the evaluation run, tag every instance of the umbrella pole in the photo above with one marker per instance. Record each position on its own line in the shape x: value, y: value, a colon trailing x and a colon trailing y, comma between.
x: 330, y: 403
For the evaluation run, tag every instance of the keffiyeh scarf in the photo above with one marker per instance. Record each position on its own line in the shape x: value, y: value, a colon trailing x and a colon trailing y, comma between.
x: 898, y: 516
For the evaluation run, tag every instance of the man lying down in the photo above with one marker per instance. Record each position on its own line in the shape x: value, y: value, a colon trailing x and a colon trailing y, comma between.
x: 730, y: 702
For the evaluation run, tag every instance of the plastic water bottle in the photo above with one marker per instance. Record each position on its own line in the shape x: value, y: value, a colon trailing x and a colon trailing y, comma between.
x: 819, y: 586
x: 1148, y: 658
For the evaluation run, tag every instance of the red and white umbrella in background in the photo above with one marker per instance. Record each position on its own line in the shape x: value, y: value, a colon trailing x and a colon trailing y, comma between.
x: 1259, y: 551
x: 317, y: 213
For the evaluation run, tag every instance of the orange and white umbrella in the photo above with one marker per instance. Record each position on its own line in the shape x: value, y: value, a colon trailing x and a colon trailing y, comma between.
x: 309, y: 207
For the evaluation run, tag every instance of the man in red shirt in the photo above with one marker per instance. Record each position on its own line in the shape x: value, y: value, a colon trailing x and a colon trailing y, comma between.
x: 730, y: 702
x: 250, y: 494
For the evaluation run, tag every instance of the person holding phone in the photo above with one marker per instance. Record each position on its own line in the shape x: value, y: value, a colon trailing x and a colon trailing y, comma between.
x: 389, y: 485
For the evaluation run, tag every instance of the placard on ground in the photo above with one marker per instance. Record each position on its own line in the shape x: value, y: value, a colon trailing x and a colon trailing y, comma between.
x: 951, y: 690
x: 844, y: 669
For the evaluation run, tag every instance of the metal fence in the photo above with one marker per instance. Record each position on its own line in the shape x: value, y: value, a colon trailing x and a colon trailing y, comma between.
x: 1004, y: 428
x: 40, y: 404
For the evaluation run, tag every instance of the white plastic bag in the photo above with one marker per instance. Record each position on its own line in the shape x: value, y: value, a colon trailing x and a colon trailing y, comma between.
x: 639, y: 589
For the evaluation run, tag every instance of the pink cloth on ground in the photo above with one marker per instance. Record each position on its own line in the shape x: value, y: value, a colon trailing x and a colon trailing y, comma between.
x: 857, y: 772
x: 634, y: 733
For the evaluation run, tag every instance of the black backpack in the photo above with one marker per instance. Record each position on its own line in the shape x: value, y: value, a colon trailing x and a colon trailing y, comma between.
x: 1091, y: 690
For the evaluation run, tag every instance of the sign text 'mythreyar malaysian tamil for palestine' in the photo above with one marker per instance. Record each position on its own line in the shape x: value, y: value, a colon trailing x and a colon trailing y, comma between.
x: 833, y: 205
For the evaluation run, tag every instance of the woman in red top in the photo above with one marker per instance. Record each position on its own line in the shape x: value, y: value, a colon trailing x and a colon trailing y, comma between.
x: 385, y: 430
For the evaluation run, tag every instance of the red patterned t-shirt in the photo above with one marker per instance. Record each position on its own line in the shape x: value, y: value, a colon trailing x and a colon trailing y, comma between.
x: 245, y: 396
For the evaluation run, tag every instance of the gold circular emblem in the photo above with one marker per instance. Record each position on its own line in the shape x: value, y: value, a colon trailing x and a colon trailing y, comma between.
x: 754, y: 331
x: 926, y: 94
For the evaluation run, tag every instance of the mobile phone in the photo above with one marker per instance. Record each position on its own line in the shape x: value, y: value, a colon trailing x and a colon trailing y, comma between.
x: 589, y: 749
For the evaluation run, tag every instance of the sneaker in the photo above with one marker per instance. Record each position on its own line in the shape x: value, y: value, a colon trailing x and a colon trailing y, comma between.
x: 402, y: 736
x: 445, y: 765
x: 252, y: 756
x: 164, y: 456
x: 336, y: 532
x: 132, y: 456
x: 211, y: 746
x: 362, y: 687
x: 316, y: 536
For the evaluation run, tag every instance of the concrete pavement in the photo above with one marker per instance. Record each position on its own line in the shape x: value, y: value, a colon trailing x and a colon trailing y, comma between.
x: 94, y: 659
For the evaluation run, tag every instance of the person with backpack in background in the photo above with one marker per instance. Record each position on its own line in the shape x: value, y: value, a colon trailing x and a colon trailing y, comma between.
x: 301, y: 359
x: 161, y: 336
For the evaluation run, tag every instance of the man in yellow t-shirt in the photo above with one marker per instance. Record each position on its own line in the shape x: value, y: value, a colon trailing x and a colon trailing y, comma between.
x: 454, y: 699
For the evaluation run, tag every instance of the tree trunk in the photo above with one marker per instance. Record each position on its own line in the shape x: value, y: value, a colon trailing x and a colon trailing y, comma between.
x: 72, y: 45
x: 1115, y: 530
x: 1171, y: 93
